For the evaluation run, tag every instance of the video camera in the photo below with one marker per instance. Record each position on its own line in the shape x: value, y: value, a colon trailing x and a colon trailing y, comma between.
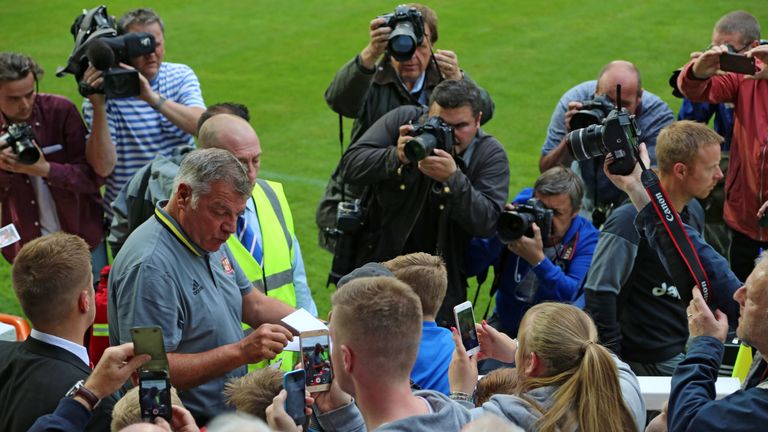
x: 19, y: 138
x: 513, y: 224
x: 433, y: 134
x: 592, y: 112
x: 617, y: 135
x: 97, y: 42
x: 407, y: 32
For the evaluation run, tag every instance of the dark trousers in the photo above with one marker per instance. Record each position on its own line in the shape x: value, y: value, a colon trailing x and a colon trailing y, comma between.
x: 743, y: 253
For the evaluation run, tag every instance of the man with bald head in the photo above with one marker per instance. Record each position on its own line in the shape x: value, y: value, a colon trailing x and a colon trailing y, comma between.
x: 652, y: 114
x: 176, y: 272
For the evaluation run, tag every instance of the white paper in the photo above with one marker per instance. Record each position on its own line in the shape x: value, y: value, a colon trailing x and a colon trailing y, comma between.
x: 303, y: 321
x: 8, y: 235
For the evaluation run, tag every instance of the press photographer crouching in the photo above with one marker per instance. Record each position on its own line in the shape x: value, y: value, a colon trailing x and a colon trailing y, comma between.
x: 542, y: 251
x: 46, y: 185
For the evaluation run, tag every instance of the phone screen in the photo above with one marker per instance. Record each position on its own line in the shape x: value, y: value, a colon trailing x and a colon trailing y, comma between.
x: 316, y: 356
x: 294, y: 403
x: 465, y: 320
x: 154, y: 396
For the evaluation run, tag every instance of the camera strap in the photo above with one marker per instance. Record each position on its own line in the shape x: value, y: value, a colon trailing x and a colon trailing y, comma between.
x: 678, y: 239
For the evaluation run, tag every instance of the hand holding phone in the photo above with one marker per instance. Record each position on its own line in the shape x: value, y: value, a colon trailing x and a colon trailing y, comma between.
x: 154, y: 379
x: 465, y: 323
x: 294, y: 383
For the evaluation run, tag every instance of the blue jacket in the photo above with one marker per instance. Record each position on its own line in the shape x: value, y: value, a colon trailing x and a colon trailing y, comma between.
x: 703, y: 111
x: 692, y: 406
x: 558, y: 281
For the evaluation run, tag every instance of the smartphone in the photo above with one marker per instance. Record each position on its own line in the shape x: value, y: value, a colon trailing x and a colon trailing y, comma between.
x: 149, y: 340
x: 154, y: 395
x: 294, y: 384
x: 316, y: 359
x: 738, y: 63
x: 465, y: 322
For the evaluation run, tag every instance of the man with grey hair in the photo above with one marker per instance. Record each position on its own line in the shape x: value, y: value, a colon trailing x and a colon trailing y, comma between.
x: 58, y: 191
x: 538, y: 266
x: 175, y: 271
x: 162, y: 119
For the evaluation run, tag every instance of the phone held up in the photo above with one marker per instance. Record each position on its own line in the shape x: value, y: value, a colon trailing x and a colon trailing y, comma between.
x: 738, y: 63
x: 316, y: 359
x: 294, y: 383
x: 465, y: 322
x: 154, y: 379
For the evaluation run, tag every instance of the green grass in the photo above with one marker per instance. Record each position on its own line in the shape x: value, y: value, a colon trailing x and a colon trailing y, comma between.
x: 278, y: 58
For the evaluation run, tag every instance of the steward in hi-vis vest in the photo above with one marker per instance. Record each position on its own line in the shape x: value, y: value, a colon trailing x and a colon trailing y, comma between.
x: 274, y: 275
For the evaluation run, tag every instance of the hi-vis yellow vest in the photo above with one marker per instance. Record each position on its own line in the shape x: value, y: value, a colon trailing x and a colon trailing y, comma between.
x: 275, y: 278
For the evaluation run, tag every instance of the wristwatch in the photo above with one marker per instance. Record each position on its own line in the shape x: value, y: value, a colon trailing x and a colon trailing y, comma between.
x: 79, y: 389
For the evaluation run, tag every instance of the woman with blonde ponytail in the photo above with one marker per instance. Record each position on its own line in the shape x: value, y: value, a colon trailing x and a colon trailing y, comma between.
x: 567, y: 381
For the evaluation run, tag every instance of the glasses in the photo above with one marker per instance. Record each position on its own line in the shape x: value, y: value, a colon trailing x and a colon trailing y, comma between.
x: 731, y: 48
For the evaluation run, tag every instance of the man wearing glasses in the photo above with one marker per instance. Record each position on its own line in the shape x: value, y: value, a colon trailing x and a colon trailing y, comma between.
x: 59, y: 191
x: 701, y: 80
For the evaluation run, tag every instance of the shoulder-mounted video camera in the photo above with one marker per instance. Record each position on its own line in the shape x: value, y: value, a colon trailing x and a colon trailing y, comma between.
x: 617, y: 135
x: 97, y: 42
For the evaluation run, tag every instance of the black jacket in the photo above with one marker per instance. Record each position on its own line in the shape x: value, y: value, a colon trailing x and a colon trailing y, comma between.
x: 471, y: 199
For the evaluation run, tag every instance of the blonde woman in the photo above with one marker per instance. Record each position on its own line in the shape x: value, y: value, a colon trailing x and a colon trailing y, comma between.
x: 567, y: 381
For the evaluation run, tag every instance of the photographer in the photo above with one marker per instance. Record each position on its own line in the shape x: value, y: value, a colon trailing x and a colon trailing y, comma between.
x: 435, y: 205
x: 374, y: 82
x: 702, y: 80
x: 160, y: 120
x: 533, y: 271
x: 58, y: 191
x: 652, y: 114
x: 634, y: 302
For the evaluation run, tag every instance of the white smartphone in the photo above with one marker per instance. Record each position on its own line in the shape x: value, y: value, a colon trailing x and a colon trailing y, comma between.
x: 316, y: 358
x: 465, y: 322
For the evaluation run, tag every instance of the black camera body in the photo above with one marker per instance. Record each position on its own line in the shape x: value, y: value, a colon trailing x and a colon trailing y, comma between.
x: 592, y: 111
x: 97, y: 42
x: 407, y: 32
x: 515, y: 223
x: 617, y: 135
x: 349, y: 216
x: 20, y: 139
x: 433, y: 134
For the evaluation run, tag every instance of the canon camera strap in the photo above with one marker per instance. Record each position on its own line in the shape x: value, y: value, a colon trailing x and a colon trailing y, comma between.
x: 678, y: 240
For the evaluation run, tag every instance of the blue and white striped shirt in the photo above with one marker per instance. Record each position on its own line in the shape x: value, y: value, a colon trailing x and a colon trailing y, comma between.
x: 139, y: 132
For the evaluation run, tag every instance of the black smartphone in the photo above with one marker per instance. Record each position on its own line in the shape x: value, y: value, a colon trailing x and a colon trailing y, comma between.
x: 294, y: 384
x: 738, y: 63
x: 316, y: 358
x: 154, y: 395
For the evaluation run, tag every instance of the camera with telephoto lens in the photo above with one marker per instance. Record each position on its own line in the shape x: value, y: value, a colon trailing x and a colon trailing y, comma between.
x: 407, y: 32
x: 617, y: 135
x: 432, y: 134
x: 97, y: 42
x: 517, y: 222
x: 592, y: 112
x: 20, y: 139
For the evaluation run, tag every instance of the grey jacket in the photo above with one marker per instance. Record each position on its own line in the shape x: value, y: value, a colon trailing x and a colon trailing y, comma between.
x: 522, y: 413
x: 447, y: 416
x: 366, y: 95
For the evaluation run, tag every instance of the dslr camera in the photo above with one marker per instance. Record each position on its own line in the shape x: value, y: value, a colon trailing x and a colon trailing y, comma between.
x: 20, y: 139
x: 349, y: 216
x: 517, y: 222
x: 432, y: 134
x: 592, y: 112
x: 407, y: 32
x: 97, y: 42
x: 617, y: 135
